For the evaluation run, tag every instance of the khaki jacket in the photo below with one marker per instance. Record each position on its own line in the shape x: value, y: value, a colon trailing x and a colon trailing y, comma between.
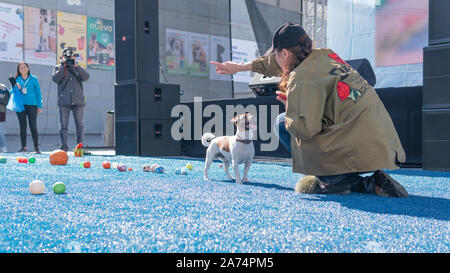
x: 338, y: 123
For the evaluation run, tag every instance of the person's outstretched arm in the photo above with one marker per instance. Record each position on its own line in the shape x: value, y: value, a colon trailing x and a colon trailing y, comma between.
x: 267, y: 66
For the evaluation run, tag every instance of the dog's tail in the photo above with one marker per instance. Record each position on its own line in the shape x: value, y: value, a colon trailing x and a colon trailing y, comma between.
x: 207, y: 138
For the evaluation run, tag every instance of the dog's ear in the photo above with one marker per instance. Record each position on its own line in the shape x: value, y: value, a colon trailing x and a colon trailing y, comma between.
x: 235, y: 119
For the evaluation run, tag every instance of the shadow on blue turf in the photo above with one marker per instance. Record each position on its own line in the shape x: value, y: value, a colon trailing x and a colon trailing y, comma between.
x: 257, y: 184
x: 414, y: 205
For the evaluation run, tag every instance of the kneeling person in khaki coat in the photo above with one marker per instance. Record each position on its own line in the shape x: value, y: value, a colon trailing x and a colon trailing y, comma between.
x: 339, y: 127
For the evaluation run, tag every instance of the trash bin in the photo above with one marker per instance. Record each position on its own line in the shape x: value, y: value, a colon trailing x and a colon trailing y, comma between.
x: 109, y: 129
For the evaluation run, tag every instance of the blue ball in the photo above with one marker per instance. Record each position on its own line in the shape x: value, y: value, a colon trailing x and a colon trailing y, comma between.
x: 177, y: 171
x: 159, y: 169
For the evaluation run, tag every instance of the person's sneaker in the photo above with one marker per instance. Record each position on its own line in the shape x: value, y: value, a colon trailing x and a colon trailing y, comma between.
x: 23, y: 150
x: 64, y: 148
x: 87, y: 153
x: 385, y: 185
x: 36, y: 150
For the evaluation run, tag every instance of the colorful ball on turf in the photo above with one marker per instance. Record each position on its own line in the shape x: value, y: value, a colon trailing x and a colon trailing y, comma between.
x: 122, y: 167
x: 159, y: 169
x: 59, y: 188
x: 114, y: 165
x: 87, y: 164
x: 184, y: 171
x: 177, y: 171
x: 130, y: 169
x: 146, y: 168
x: 189, y: 166
x: 32, y: 160
x: 3, y: 160
x: 37, y: 187
x: 153, y: 167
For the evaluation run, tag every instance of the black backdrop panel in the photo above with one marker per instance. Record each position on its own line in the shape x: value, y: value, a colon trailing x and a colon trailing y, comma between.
x: 439, y: 22
x: 436, y: 76
x: 403, y: 104
x: 196, y: 149
x: 405, y: 108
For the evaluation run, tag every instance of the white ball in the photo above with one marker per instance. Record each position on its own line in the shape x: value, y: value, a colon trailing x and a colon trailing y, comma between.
x: 37, y: 187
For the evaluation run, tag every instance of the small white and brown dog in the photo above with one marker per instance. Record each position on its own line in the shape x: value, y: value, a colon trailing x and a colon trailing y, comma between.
x: 234, y: 150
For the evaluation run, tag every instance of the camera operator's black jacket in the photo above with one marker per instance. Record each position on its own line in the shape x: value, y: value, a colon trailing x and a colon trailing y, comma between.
x: 70, y: 88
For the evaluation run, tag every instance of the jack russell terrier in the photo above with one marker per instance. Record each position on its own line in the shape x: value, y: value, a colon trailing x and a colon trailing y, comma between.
x: 235, y: 149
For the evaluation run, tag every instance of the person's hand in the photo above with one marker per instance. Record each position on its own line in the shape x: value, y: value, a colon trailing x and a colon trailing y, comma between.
x: 230, y: 67
x: 39, y: 110
x: 19, y: 86
x: 74, y: 61
x: 281, y: 97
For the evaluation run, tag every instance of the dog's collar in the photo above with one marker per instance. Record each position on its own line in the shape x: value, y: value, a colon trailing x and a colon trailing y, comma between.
x: 246, y: 141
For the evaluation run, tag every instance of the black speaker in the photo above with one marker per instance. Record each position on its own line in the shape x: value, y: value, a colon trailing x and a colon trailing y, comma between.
x: 145, y: 100
x: 146, y: 138
x: 439, y: 22
x: 364, y: 69
x: 137, y: 40
x: 436, y: 139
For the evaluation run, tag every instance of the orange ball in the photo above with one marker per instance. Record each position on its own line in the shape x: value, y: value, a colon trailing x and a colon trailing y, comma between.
x: 130, y: 169
x: 87, y: 164
x: 58, y: 157
x: 106, y: 165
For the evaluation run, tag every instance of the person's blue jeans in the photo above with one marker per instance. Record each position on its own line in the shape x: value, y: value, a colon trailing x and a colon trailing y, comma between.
x: 281, y: 132
x: 64, y: 114
x: 2, y: 137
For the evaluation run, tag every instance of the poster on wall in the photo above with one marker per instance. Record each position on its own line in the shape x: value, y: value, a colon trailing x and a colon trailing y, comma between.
x: 100, y: 47
x: 176, y: 52
x: 11, y: 33
x: 198, y: 55
x: 244, y: 51
x: 72, y: 33
x: 401, y: 31
x: 219, y: 52
x: 40, y: 36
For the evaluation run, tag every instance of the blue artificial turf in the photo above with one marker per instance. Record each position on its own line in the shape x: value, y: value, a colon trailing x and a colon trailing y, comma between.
x: 112, y: 211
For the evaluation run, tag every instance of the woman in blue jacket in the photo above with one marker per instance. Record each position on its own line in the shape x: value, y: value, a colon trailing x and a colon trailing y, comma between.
x: 31, y: 95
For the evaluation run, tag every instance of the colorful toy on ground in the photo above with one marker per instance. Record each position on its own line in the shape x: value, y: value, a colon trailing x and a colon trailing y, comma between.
x: 159, y: 169
x: 106, y: 165
x: 22, y: 160
x: 58, y: 157
x: 78, y: 151
x: 146, y: 168
x: 87, y: 164
x: 3, y: 160
x: 37, y: 187
x: 59, y: 188
x: 153, y: 167
x: 122, y: 167
x: 32, y: 160
x: 189, y: 166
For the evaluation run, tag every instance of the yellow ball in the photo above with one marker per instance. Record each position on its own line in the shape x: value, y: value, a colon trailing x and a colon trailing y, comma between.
x: 189, y: 166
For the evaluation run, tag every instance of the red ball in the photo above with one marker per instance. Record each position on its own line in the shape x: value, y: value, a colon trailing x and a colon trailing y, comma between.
x: 106, y: 165
x: 87, y: 164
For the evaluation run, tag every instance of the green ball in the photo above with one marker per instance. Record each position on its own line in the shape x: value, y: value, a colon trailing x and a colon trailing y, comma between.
x: 32, y: 160
x: 189, y: 166
x: 59, y: 188
x: 3, y: 160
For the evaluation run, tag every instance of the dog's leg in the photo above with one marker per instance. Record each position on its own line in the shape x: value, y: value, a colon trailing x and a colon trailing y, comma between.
x: 227, y: 167
x: 236, y: 172
x: 208, y: 161
x: 246, y: 168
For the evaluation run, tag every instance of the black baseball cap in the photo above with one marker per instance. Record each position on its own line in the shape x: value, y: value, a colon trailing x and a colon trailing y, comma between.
x: 287, y: 35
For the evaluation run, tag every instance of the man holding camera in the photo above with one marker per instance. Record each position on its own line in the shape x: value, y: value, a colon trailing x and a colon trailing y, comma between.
x: 69, y: 77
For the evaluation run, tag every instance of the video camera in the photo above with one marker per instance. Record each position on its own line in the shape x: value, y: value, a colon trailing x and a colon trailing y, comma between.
x: 67, y: 54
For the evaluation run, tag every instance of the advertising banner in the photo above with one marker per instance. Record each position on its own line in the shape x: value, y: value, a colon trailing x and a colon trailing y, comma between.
x: 11, y: 33
x: 100, y: 47
x: 72, y: 33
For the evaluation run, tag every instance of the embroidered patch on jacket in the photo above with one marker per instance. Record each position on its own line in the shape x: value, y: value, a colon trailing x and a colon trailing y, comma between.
x: 344, y: 92
x: 343, y: 70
